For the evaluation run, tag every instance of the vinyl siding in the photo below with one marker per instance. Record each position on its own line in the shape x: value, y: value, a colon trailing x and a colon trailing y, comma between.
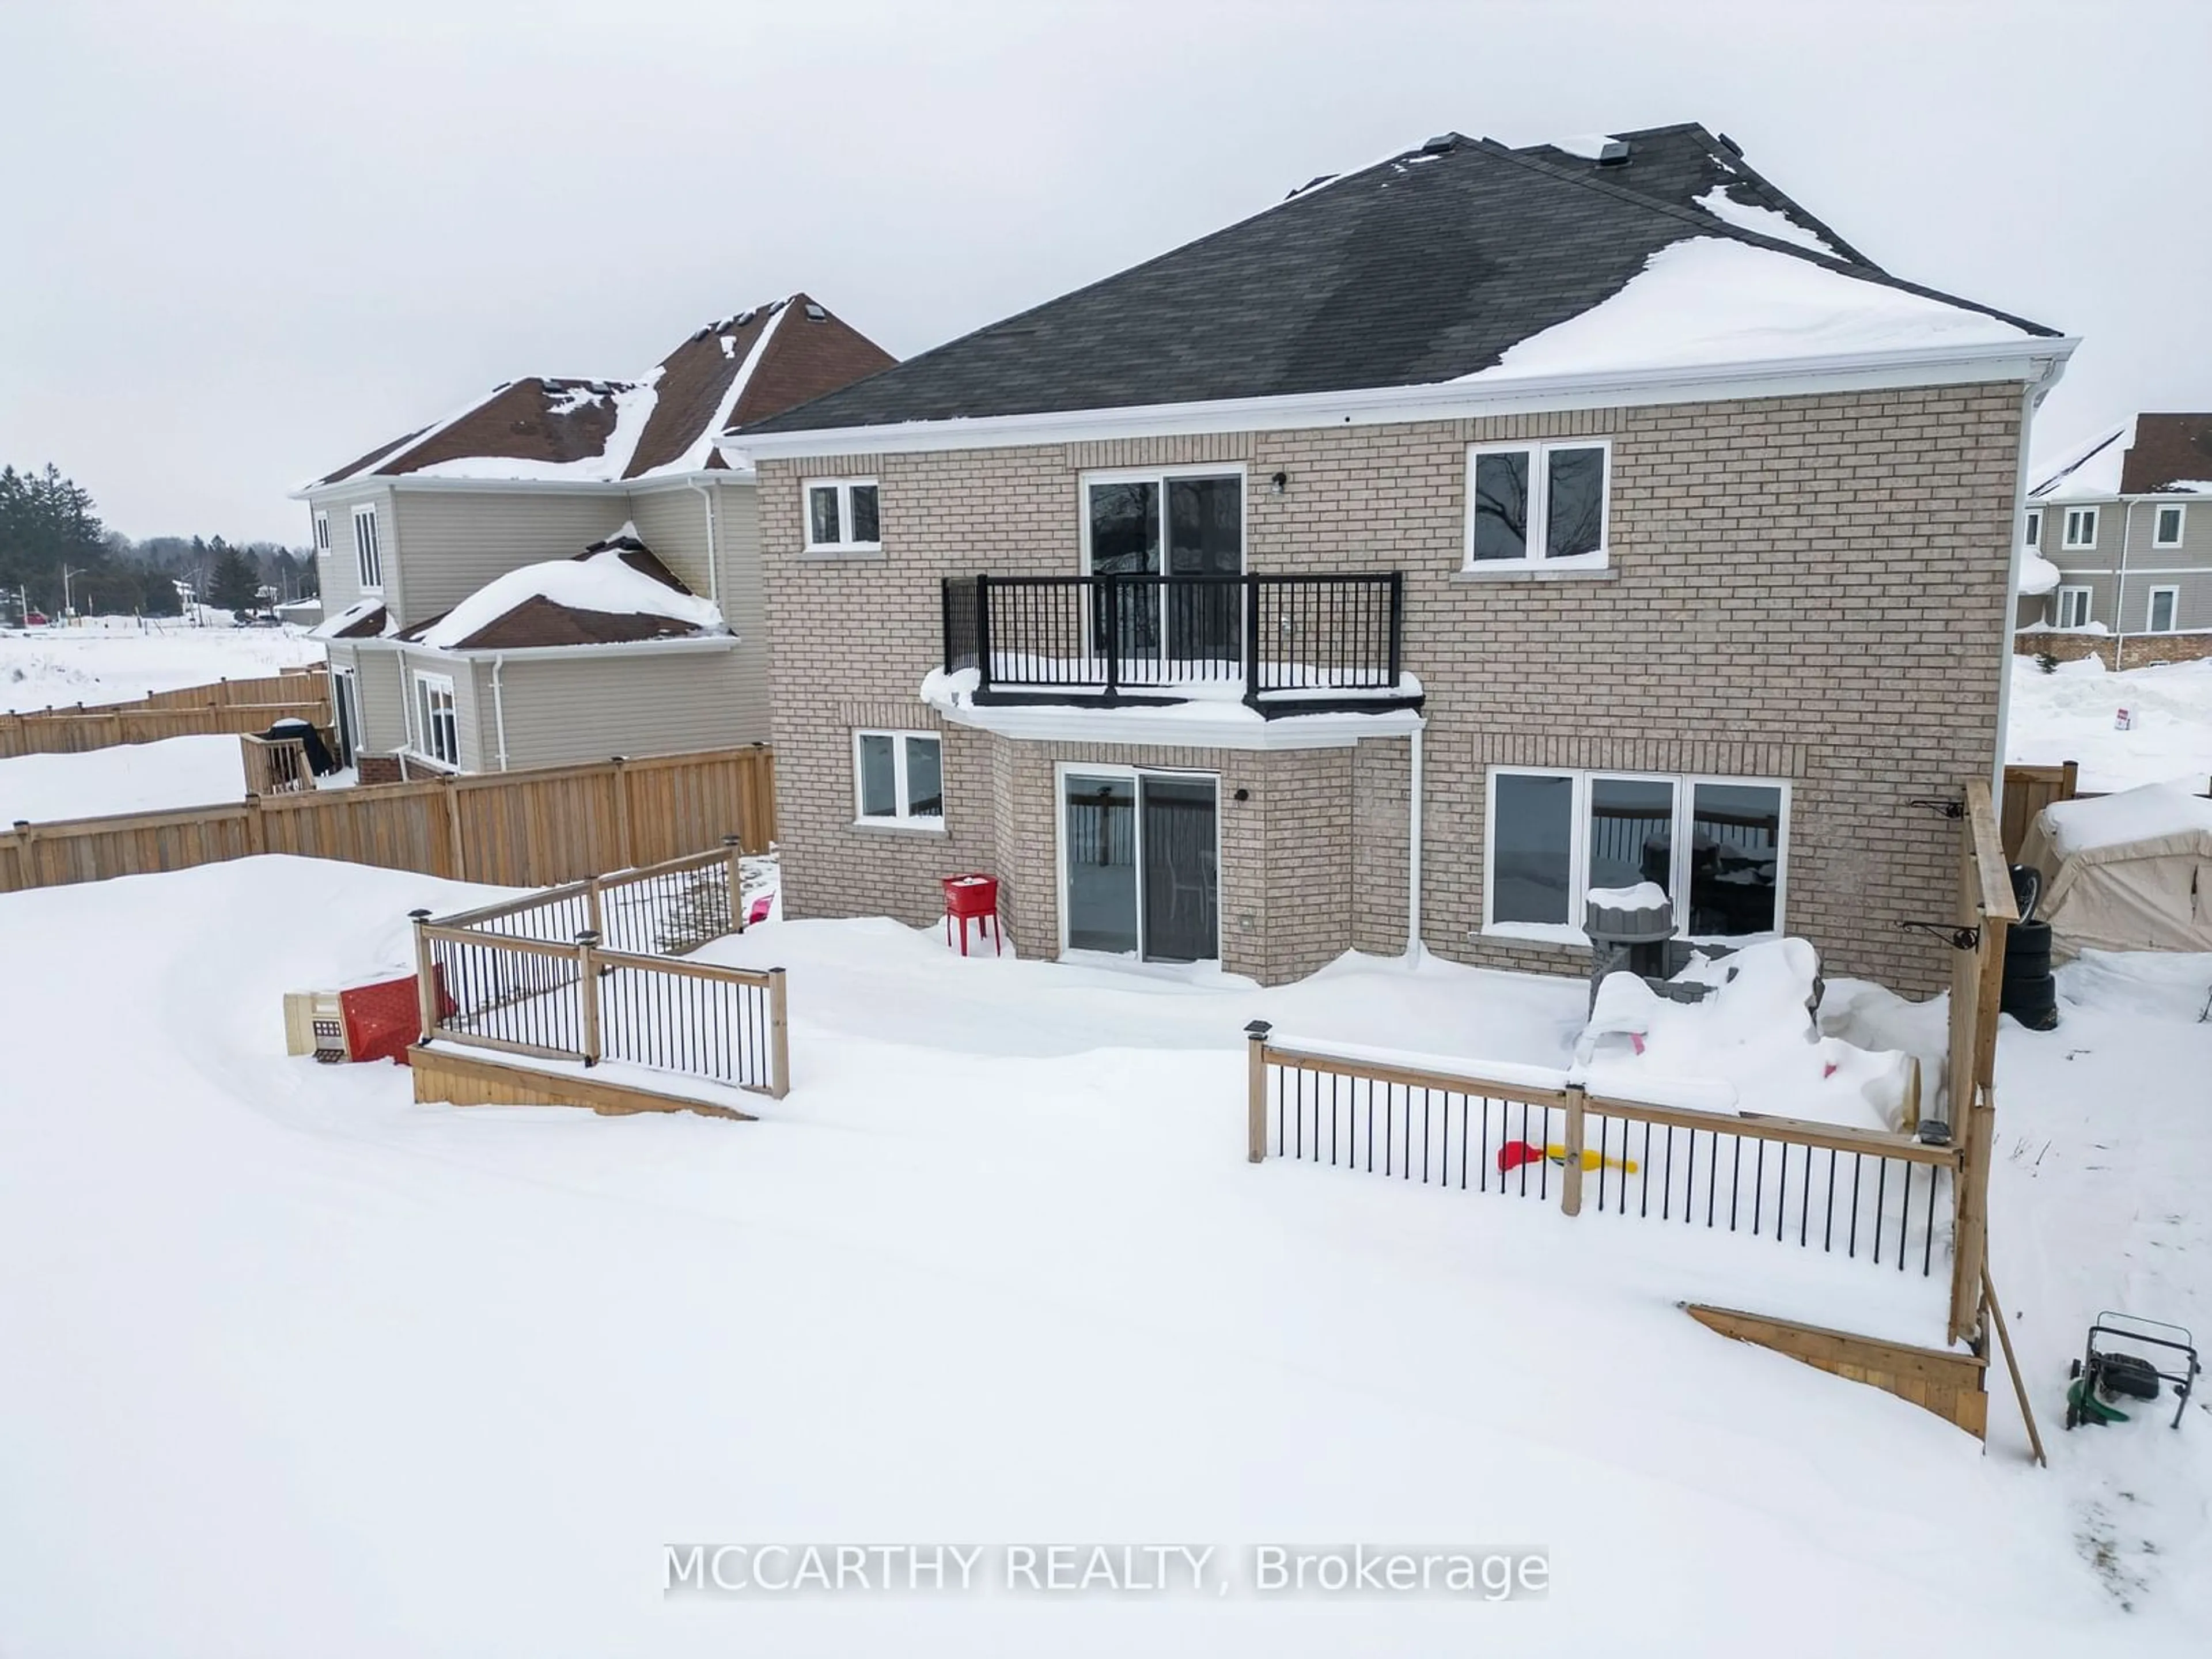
x: 339, y: 574
x: 673, y: 524
x: 383, y: 715
x: 2125, y: 531
x: 639, y: 703
x: 455, y: 541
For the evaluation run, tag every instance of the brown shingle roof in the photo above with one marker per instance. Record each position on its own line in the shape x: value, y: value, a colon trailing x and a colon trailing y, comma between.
x: 538, y: 621
x: 2168, y: 450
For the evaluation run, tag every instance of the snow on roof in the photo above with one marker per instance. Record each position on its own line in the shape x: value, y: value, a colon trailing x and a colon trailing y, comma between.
x: 2036, y: 573
x: 604, y: 581
x: 631, y: 403
x: 346, y: 623
x: 1762, y: 220
x: 2153, y: 811
x: 1588, y: 146
x: 1711, y: 299
x: 703, y: 444
x: 2089, y: 471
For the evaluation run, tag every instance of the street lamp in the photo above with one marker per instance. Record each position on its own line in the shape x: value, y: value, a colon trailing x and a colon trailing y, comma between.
x: 69, y: 609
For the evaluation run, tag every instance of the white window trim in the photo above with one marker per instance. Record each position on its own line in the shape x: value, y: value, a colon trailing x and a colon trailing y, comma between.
x: 915, y: 822
x: 1540, y: 497
x: 2173, y: 613
x: 844, y: 489
x: 374, y: 549
x: 345, y: 699
x: 322, y: 535
x: 1685, y: 784
x: 1160, y: 475
x: 424, y: 747
x: 1061, y: 771
x: 2065, y: 591
x: 2035, y: 527
x: 2084, y: 515
x: 2159, y: 510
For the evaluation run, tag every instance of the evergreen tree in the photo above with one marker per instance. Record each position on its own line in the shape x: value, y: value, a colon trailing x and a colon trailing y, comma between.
x: 233, y: 582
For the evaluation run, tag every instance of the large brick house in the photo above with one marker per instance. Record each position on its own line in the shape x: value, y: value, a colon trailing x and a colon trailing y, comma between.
x: 1456, y: 538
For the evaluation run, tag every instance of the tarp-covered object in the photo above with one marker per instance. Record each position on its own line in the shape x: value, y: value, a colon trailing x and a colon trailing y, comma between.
x: 2131, y: 871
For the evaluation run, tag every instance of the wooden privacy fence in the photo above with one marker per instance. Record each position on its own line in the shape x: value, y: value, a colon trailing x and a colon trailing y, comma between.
x: 2029, y: 789
x: 529, y: 829
x: 1986, y: 912
x: 226, y: 708
x: 276, y: 766
x: 486, y: 979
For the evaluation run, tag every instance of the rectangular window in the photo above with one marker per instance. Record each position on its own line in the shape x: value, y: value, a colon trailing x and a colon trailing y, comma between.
x: 898, y: 777
x: 322, y: 535
x: 436, y: 728
x: 2164, y: 602
x: 2080, y: 526
x: 1715, y: 845
x: 843, y: 516
x: 368, y: 557
x: 2035, y: 527
x: 2166, y: 526
x: 1539, y: 504
x: 2073, y: 607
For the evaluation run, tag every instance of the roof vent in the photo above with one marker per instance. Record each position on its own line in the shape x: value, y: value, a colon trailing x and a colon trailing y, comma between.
x: 1614, y: 153
x: 1441, y: 144
x: 815, y: 313
x: 1729, y: 144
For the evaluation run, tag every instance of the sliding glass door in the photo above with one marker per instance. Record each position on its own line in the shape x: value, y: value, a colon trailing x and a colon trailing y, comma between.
x: 1141, y: 864
x: 1172, y: 524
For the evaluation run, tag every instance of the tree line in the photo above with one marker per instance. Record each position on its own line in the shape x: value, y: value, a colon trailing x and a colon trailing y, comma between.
x: 49, y: 524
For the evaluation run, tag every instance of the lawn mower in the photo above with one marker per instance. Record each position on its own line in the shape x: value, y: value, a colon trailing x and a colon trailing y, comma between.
x: 2103, y: 1375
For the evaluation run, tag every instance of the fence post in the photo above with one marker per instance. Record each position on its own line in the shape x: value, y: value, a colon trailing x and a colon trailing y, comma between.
x: 456, y: 844
x: 733, y: 852
x: 1251, y: 596
x: 1571, y: 1181
x: 256, y: 842
x: 594, y: 918
x: 779, y: 1036
x: 982, y: 635
x: 426, y: 977
x: 1397, y: 625
x: 1256, y: 1090
x: 587, y: 992
x: 26, y: 865
x: 623, y: 861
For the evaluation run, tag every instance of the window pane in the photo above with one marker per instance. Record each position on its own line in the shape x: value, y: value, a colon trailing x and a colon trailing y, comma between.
x: 1125, y: 529
x: 2162, y: 609
x: 1574, y: 515
x: 1532, y: 830
x: 1206, y: 527
x: 864, y: 513
x: 2169, y: 524
x: 821, y: 516
x: 1501, y: 506
x: 2034, y: 528
x: 1735, y: 853
x: 1631, y: 832
x: 925, y: 779
x: 878, y: 778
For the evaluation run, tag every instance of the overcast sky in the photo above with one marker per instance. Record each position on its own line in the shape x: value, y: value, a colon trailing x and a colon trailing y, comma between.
x: 242, y: 243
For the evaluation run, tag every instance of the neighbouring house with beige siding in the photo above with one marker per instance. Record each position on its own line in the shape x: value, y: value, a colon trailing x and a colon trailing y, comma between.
x: 474, y: 519
x: 1281, y: 597
x: 2122, y: 524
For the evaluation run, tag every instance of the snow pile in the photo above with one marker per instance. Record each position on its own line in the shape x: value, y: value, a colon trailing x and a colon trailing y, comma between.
x: 2070, y: 715
x: 1644, y: 895
x: 1750, y: 1045
x: 1711, y: 299
x: 1588, y: 146
x: 602, y: 581
x: 108, y: 660
x: 2036, y: 573
x: 1762, y: 220
x: 2088, y: 471
x: 138, y: 777
x: 2152, y: 811
x: 359, y: 611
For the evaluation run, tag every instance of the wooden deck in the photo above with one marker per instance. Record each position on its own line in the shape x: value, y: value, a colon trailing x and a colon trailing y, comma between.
x: 443, y: 1074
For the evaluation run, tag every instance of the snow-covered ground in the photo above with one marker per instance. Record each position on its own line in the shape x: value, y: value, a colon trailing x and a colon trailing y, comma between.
x: 116, y: 659
x: 2072, y: 714
x: 293, y: 1364
x: 134, y: 777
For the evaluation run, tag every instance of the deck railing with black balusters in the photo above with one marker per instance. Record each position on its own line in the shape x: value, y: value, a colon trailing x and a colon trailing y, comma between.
x: 1858, y: 1193
x: 1292, y: 641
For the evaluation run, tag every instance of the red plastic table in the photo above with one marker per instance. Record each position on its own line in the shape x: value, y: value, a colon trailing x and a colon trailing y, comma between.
x: 973, y: 898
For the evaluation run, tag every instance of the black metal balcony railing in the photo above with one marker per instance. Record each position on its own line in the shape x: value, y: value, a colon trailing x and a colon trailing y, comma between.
x: 1283, y: 644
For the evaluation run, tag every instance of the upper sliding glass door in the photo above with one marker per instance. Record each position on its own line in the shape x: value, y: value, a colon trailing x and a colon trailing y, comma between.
x: 1172, y: 526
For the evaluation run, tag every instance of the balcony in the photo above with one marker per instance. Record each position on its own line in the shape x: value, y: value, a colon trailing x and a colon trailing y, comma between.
x: 1280, y: 645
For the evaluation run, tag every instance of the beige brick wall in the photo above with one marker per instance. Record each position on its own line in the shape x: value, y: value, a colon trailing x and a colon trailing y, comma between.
x: 1806, y: 587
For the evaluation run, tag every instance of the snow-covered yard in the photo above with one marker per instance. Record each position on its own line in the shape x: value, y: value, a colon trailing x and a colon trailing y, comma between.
x: 2072, y: 714
x: 134, y: 777
x: 294, y: 1364
x: 116, y: 659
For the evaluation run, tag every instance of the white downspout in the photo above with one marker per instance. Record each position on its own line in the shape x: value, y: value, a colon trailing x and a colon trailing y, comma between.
x: 499, y: 707
x: 713, y: 562
x: 2031, y: 395
x: 2120, y: 593
x: 1413, y: 949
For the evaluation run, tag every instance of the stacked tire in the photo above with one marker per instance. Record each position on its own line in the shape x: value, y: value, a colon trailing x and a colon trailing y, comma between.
x: 2030, y: 994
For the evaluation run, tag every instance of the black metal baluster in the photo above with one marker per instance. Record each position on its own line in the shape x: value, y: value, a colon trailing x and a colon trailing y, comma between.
x: 1904, y: 1214
x: 1928, y: 1249
x: 1881, y: 1193
x: 1852, y: 1244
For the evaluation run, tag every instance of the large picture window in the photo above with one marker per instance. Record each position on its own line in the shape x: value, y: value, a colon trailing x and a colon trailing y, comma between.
x: 368, y: 553
x: 1717, y: 845
x: 1539, y: 504
x: 898, y: 778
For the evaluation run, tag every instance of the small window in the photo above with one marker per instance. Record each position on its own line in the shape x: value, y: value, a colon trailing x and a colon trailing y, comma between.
x: 2073, y: 607
x: 2080, y: 526
x: 322, y: 535
x: 2165, y: 603
x: 898, y: 777
x: 2035, y: 527
x: 368, y: 556
x: 2168, y: 527
x: 1539, y: 504
x: 842, y: 515
x: 437, y: 729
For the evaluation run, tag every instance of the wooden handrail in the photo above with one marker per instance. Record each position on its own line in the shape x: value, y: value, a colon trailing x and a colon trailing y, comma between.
x: 760, y: 978
x: 1414, y: 1077
x: 511, y: 907
x: 531, y: 947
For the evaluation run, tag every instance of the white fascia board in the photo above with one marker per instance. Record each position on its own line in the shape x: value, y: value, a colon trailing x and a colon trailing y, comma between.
x: 704, y: 645
x: 408, y: 481
x: 2036, y: 361
x: 1174, y: 726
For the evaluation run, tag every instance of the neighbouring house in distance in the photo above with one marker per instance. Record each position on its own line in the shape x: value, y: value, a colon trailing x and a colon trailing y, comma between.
x: 1453, y: 539
x: 566, y: 570
x: 2121, y: 530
